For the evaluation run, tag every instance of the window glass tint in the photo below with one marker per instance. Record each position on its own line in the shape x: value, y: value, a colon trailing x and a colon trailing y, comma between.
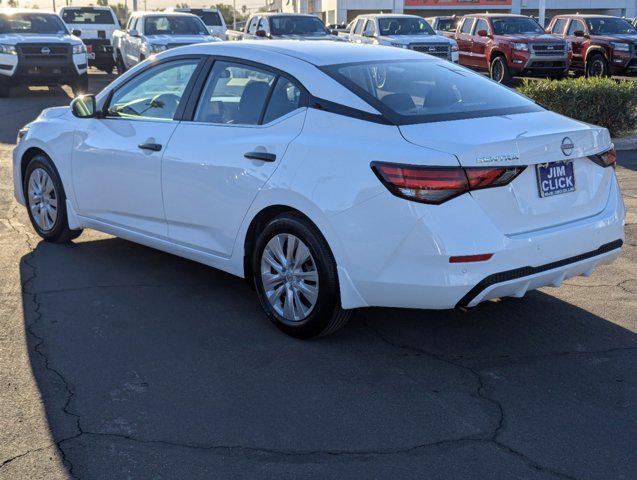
x: 466, y: 26
x: 234, y: 94
x: 559, y: 25
x: 285, y: 99
x: 154, y: 94
x: 404, y: 26
x: 447, y: 24
x: 212, y: 19
x: 481, y: 25
x: 575, y: 26
x: 428, y: 90
x: 359, y: 26
x: 31, y: 23
x: 88, y: 16
x: 610, y: 26
x: 263, y: 25
x: 296, y: 25
x: 174, y: 25
x: 370, y: 27
x: 253, y: 25
x: 515, y: 26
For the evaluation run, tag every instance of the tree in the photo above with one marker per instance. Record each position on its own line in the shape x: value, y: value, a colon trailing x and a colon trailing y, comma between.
x: 102, y: 3
x: 12, y: 4
x: 226, y: 12
x: 182, y: 5
x: 121, y: 12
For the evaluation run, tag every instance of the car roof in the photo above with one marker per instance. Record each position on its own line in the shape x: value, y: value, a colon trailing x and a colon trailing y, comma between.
x: 160, y: 14
x: 498, y: 15
x: 583, y: 15
x: 283, y: 14
x: 318, y: 53
x: 9, y: 11
x: 86, y: 7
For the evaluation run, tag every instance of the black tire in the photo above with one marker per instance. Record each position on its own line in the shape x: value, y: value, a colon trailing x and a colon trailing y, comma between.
x: 80, y: 85
x: 60, y: 231
x: 499, y: 70
x: 326, y: 316
x: 597, y: 66
x: 119, y: 63
x: 5, y: 91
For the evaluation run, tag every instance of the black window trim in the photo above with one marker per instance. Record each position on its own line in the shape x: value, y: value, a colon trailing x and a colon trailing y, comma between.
x: 387, y: 116
x: 186, y: 95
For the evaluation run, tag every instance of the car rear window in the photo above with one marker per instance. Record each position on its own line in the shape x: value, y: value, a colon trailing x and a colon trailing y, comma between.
x: 212, y: 19
x: 428, y: 90
x: 88, y: 16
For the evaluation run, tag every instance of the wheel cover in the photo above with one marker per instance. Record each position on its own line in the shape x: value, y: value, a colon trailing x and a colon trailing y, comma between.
x: 597, y: 68
x: 43, y: 199
x: 497, y: 71
x: 289, y: 276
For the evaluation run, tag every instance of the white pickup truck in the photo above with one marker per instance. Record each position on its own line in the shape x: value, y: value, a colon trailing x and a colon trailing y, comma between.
x: 36, y: 48
x: 96, y: 25
x: 148, y: 33
x: 293, y: 26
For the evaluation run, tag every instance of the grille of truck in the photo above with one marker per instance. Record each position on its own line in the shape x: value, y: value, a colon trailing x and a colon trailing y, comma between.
x: 549, y: 50
x: 437, y: 50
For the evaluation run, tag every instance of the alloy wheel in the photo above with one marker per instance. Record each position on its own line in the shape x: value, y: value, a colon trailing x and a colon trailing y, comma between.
x: 597, y: 68
x: 43, y: 199
x: 497, y: 71
x: 290, y: 277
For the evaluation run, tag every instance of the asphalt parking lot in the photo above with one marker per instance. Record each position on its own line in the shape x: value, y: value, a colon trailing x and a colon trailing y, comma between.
x: 119, y: 361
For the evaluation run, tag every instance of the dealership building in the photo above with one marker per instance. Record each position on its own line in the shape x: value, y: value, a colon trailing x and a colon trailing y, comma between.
x: 338, y: 11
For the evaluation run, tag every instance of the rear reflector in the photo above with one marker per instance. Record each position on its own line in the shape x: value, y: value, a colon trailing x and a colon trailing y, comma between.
x: 605, y: 159
x: 470, y: 258
x: 435, y: 185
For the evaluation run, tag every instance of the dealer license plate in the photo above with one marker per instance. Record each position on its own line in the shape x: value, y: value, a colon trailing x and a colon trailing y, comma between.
x: 555, y: 178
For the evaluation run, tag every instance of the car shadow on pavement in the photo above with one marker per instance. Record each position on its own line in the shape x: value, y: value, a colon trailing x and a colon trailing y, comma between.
x: 150, y: 365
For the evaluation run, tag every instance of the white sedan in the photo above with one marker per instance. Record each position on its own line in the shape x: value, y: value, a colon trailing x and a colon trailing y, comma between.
x: 330, y: 176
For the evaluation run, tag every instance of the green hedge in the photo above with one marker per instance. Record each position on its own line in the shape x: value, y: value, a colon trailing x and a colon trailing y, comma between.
x: 600, y: 101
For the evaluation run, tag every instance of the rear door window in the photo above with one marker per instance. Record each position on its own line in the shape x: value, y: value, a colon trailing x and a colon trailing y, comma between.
x: 575, y: 26
x: 481, y: 24
x: 558, y: 26
x: 466, y: 25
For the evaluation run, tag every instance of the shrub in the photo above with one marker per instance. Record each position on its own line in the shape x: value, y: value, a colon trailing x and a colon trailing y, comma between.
x: 600, y: 101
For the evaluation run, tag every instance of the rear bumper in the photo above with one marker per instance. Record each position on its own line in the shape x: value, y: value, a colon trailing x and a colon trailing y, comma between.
x: 415, y: 272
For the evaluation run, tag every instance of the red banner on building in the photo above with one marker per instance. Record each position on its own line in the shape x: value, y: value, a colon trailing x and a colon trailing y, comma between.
x: 457, y: 3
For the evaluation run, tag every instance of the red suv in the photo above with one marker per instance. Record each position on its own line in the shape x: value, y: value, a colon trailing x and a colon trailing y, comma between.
x: 511, y: 45
x: 602, y: 45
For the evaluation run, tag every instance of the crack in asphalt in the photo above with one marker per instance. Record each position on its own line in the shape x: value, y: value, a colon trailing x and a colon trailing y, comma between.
x: 480, y: 392
x: 617, y: 285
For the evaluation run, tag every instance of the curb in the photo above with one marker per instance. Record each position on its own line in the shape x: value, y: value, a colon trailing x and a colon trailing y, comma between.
x: 626, y: 143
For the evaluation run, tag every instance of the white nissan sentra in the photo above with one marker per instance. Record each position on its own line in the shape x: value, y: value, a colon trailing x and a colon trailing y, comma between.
x: 331, y: 176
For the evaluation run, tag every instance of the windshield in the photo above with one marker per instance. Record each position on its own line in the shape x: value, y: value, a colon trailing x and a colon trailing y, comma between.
x: 447, y: 24
x: 174, y: 25
x: 88, y: 16
x: 610, y: 26
x: 41, y: 23
x: 515, y: 26
x: 296, y: 26
x: 420, y: 91
x: 404, y: 26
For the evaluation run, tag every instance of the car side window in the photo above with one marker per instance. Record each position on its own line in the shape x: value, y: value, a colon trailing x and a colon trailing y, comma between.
x: 466, y: 25
x: 575, y: 26
x: 154, y: 94
x: 370, y: 26
x: 286, y: 97
x: 252, y: 27
x: 481, y: 24
x: 234, y: 94
x: 359, y: 26
x: 558, y: 26
x: 263, y: 24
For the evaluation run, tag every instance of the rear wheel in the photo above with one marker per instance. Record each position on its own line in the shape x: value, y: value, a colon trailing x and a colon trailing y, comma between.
x: 499, y: 70
x: 46, y: 201
x: 597, y: 66
x: 295, y: 278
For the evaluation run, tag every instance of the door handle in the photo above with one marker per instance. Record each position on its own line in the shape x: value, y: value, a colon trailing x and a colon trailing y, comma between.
x: 155, y: 147
x: 263, y: 156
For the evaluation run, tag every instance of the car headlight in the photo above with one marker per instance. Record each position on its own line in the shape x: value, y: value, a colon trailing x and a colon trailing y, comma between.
x: 156, y: 48
x: 8, y: 49
x: 523, y: 47
x: 399, y: 45
x: 21, y: 133
x: 78, y: 49
x: 620, y: 47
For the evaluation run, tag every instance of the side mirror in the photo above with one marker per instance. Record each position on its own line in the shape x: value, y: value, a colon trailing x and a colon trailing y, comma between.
x: 261, y: 33
x: 334, y: 32
x: 133, y: 33
x: 483, y: 33
x: 84, y: 106
x: 77, y: 33
x: 547, y: 30
x: 579, y: 33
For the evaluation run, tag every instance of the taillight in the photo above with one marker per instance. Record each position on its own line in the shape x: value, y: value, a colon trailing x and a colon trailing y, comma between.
x: 435, y: 185
x: 606, y: 159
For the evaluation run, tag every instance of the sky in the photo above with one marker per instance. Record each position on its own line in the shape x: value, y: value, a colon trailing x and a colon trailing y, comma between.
x: 152, y: 4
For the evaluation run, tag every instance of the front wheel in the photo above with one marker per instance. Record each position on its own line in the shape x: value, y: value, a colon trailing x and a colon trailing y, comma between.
x: 597, y: 66
x: 46, y: 201
x: 295, y: 276
x: 499, y: 70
